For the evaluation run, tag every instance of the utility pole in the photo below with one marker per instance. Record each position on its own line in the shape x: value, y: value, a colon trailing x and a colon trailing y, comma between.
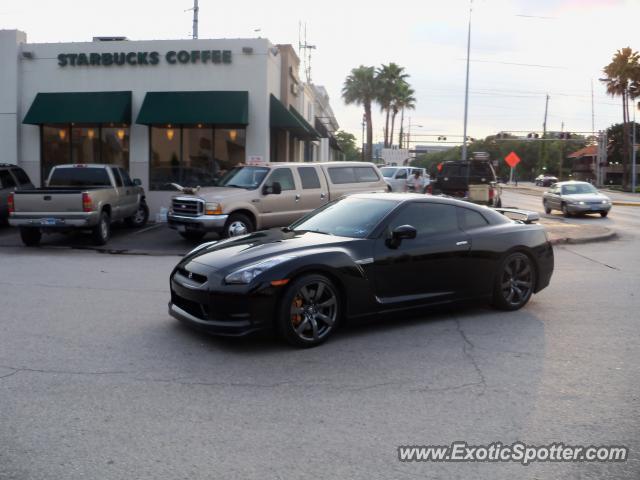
x: 593, y: 115
x: 195, y: 9
x: 466, y: 91
x: 542, y: 151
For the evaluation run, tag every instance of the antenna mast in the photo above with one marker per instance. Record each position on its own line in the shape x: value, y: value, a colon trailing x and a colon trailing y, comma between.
x: 305, y: 51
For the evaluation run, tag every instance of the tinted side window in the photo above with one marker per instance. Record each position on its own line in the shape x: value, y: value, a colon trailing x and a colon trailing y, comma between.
x: 126, y: 178
x: 427, y: 218
x: 116, y: 176
x: 366, y: 174
x: 481, y: 169
x: 6, y: 180
x: 401, y: 174
x: 309, y: 177
x: 284, y: 177
x: 340, y: 175
x: 471, y: 219
x: 22, y: 177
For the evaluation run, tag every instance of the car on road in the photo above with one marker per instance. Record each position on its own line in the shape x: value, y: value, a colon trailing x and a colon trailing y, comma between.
x: 401, y: 179
x: 473, y: 180
x: 545, y: 180
x: 79, y: 197
x: 575, y: 198
x: 360, y: 256
x: 12, y: 178
x: 254, y: 197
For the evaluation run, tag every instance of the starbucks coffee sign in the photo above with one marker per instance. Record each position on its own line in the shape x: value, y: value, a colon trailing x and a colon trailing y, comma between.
x: 172, y: 57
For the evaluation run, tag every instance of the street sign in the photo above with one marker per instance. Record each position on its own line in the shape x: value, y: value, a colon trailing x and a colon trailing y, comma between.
x: 512, y: 159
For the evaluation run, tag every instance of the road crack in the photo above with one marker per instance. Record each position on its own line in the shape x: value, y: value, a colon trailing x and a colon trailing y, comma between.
x: 591, y: 259
x: 466, y: 346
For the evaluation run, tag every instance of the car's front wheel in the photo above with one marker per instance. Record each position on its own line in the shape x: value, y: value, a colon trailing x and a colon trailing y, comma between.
x: 140, y: 218
x: 514, y: 282
x: 238, y: 224
x: 547, y: 209
x: 309, y: 311
x: 565, y: 210
x: 604, y: 214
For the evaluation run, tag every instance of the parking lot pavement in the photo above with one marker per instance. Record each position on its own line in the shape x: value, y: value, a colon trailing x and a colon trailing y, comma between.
x: 153, y: 239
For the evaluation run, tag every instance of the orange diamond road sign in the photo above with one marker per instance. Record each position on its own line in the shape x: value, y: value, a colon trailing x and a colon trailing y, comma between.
x: 512, y: 159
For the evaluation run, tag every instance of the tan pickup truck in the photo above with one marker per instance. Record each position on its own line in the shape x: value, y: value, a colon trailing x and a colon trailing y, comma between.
x: 79, y: 197
x: 250, y: 198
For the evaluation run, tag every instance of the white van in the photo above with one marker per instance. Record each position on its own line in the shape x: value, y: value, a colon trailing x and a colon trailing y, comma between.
x: 255, y: 197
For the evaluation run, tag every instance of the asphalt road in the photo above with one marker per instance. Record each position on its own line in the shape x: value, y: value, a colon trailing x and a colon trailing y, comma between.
x: 97, y: 381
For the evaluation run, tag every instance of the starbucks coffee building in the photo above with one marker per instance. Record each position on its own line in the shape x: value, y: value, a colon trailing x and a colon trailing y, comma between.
x: 169, y: 111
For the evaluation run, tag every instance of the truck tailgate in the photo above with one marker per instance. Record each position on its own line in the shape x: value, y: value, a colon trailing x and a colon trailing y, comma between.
x: 35, y: 202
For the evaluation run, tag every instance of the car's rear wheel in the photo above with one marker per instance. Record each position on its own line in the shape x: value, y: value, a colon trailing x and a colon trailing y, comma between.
x: 547, y: 209
x: 309, y: 311
x: 30, y: 236
x: 604, y: 214
x: 192, y: 236
x: 238, y: 224
x: 514, y: 282
x: 102, y: 231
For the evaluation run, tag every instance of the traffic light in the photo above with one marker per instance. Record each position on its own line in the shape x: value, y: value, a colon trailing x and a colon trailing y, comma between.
x: 533, y: 135
x: 564, y: 136
x: 501, y: 135
x: 443, y: 139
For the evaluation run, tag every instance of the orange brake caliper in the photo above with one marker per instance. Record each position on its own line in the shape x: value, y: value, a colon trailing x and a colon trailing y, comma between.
x: 297, y: 318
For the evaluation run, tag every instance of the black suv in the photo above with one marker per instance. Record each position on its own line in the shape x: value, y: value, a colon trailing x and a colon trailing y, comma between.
x: 452, y: 180
x: 12, y: 177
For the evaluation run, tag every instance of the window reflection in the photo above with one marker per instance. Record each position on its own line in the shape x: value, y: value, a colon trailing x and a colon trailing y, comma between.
x: 55, y: 148
x: 115, y: 146
x: 193, y: 155
x: 85, y: 145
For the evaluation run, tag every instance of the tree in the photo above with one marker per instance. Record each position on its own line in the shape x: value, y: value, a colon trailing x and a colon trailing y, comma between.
x: 361, y: 88
x: 389, y: 79
x: 403, y: 98
x: 347, y: 143
x: 615, y: 142
x: 623, y: 79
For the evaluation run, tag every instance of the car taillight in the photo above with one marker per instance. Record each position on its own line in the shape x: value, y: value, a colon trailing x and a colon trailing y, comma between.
x: 87, y: 204
x: 11, y: 203
x: 492, y: 193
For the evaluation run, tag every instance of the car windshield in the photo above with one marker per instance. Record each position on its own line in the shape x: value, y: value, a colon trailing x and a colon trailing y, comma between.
x: 387, y: 172
x: 348, y: 217
x: 244, y: 177
x: 578, y: 188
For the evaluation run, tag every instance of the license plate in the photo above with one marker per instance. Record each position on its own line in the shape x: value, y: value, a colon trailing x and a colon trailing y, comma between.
x: 47, y: 221
x: 595, y: 208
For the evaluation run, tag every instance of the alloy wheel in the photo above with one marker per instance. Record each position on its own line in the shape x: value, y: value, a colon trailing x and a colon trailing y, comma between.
x: 237, y: 228
x: 313, y: 311
x: 516, y: 281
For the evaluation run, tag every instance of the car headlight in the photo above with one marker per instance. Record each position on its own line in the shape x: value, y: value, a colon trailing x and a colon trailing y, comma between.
x: 201, y: 246
x: 605, y: 201
x: 246, y: 274
x: 212, y: 208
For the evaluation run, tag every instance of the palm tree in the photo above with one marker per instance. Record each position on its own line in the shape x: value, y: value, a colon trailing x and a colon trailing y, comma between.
x: 403, y: 98
x: 388, y: 78
x: 623, y: 79
x: 361, y: 88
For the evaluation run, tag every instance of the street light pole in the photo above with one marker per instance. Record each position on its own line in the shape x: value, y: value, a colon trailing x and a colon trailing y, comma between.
x: 633, y: 152
x: 466, y: 87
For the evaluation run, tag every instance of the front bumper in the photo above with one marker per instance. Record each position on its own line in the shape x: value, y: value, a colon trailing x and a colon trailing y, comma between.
x: 200, y: 223
x: 215, y: 308
x: 53, y: 222
x: 588, y: 208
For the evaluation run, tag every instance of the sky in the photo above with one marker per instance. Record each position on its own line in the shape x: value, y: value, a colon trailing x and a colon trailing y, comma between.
x: 521, y: 50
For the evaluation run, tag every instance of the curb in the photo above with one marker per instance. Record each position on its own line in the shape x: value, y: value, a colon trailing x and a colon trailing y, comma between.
x: 625, y: 204
x: 605, y: 237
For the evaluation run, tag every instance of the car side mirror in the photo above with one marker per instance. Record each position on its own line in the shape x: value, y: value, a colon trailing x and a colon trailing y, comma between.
x: 273, y: 189
x: 402, y: 232
x: 137, y: 182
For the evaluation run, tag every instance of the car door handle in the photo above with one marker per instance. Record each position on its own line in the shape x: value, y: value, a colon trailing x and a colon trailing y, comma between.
x: 322, y: 195
x: 463, y: 242
x: 297, y: 198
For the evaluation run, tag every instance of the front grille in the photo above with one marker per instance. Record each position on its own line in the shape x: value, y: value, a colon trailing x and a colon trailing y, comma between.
x: 187, y: 206
x: 599, y: 202
x: 193, y: 308
x: 194, y: 277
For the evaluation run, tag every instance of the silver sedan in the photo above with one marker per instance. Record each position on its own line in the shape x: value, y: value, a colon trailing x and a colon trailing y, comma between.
x: 575, y: 198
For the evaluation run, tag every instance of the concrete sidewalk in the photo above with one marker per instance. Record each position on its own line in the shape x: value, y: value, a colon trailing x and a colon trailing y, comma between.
x: 617, y: 198
x: 564, y: 232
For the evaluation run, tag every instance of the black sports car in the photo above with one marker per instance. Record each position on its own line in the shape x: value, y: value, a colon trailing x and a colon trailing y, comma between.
x: 360, y: 256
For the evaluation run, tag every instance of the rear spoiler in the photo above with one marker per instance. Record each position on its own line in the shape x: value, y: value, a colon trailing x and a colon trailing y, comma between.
x: 524, y: 216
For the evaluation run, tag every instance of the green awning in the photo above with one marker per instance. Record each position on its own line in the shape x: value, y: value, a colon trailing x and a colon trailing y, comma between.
x: 209, y: 107
x: 80, y: 107
x: 312, y: 133
x: 280, y: 117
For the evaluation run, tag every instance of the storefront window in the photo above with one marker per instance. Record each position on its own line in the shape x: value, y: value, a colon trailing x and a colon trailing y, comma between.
x: 115, y: 145
x: 55, y: 148
x: 194, y: 155
x: 85, y: 144
x: 63, y: 144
